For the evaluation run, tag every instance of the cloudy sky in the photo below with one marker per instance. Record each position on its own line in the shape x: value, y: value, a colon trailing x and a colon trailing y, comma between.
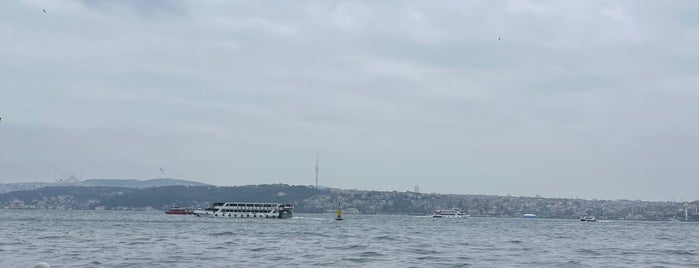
x: 590, y: 99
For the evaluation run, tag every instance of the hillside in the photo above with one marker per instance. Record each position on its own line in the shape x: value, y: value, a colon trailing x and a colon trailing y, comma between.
x: 160, y: 182
x: 72, y: 181
x: 309, y: 199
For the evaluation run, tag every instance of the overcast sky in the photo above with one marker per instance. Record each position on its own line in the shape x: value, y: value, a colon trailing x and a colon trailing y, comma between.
x: 589, y: 99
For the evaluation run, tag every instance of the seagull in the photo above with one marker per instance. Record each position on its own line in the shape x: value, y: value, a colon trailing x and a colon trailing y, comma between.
x: 162, y: 171
x: 498, y: 38
x: 43, y: 10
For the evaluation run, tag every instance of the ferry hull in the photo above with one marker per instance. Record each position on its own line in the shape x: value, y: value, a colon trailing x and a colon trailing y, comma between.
x: 179, y: 211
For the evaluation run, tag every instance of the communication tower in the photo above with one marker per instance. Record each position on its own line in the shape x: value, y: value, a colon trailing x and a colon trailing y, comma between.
x: 317, y: 169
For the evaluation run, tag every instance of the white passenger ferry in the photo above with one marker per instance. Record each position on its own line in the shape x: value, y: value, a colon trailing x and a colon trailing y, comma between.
x: 449, y: 213
x: 247, y: 210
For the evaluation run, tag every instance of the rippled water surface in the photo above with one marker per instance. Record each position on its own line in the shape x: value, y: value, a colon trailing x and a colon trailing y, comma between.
x: 153, y: 239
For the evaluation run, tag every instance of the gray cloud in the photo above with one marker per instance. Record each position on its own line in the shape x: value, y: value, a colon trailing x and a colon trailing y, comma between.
x: 589, y: 99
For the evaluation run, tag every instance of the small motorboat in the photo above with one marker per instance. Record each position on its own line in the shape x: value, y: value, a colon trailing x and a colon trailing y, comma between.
x: 588, y: 218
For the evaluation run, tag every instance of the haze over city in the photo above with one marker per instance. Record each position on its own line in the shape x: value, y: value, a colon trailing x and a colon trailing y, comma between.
x: 589, y: 99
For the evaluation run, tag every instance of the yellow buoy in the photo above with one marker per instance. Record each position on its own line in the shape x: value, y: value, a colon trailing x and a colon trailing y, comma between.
x: 339, y: 213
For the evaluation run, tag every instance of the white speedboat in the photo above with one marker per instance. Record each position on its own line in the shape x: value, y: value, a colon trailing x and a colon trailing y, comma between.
x: 449, y: 213
x: 588, y: 218
x: 247, y: 210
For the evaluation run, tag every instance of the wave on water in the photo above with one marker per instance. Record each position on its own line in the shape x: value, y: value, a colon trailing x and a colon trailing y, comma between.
x: 318, y: 240
x: 422, y: 251
x: 679, y: 252
x: 587, y: 251
x: 136, y: 243
x: 359, y: 260
x: 313, y: 234
x: 309, y: 218
x: 385, y: 237
x: 51, y: 237
x: 348, y: 247
x: 222, y: 233
x: 429, y: 257
x: 370, y: 254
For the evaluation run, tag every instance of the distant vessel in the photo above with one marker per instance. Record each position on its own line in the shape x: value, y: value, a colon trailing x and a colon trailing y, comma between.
x: 529, y: 216
x: 247, y: 210
x: 588, y: 218
x: 179, y: 211
x: 688, y: 216
x: 449, y: 213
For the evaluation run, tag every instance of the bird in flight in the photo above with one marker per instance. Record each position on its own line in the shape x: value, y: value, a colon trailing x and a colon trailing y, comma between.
x: 43, y: 10
x: 161, y: 170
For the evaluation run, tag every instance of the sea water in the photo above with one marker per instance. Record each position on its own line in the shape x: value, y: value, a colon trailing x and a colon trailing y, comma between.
x: 65, y: 238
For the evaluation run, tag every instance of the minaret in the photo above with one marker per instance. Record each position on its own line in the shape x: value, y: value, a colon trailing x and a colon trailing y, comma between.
x: 317, y: 169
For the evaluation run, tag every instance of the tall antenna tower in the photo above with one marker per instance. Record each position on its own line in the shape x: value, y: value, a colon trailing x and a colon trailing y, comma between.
x: 317, y: 169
